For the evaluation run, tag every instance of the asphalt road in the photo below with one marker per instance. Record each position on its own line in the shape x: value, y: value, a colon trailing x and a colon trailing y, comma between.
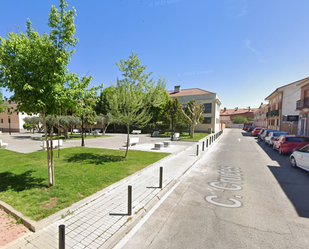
x: 241, y: 194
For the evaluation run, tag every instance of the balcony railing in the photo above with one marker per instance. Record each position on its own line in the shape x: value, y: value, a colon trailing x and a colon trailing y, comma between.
x: 302, y: 103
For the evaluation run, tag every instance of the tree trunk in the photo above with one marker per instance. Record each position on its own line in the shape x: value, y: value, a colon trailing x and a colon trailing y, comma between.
x: 128, y: 139
x: 66, y: 133
x: 192, y: 130
x: 52, y: 156
x: 50, y: 181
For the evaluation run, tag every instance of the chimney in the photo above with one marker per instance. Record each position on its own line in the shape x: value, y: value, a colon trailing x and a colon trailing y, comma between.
x: 249, y: 108
x: 224, y: 109
x: 177, y: 89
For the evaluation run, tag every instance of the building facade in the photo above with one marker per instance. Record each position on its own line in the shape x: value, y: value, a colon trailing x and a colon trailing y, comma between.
x: 227, y: 115
x: 12, y: 121
x: 210, y: 101
x: 302, y: 108
x: 281, y: 108
x: 260, y: 116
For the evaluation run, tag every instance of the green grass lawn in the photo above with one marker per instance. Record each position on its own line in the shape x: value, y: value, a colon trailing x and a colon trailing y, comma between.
x: 186, y: 137
x: 79, y: 172
x: 197, y: 136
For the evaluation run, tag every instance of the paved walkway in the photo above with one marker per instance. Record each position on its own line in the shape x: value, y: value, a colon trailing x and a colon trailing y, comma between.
x: 101, y: 220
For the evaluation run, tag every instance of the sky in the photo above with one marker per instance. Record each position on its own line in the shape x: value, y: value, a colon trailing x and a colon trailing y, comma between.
x: 240, y: 49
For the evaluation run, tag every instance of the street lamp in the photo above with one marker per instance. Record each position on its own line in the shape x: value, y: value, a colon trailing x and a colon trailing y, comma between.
x: 9, y: 125
x: 172, y: 137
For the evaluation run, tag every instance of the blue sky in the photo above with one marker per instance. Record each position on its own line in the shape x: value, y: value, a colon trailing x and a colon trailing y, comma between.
x: 241, y: 49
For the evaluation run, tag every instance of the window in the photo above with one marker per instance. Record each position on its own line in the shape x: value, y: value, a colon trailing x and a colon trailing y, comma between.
x: 207, y: 121
x: 207, y: 108
x: 1, y: 120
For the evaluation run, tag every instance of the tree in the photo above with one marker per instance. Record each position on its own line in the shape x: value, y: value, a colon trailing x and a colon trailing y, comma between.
x: 240, y: 120
x: 180, y: 121
x: 2, y: 104
x: 105, y: 121
x: 194, y: 113
x: 35, y: 121
x: 133, y: 96
x: 34, y: 67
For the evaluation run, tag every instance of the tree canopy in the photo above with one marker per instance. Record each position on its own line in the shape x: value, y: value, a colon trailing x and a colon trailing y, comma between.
x: 131, y: 99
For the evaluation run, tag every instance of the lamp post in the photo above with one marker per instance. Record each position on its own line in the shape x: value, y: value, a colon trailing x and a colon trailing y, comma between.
x: 9, y: 125
x: 172, y: 137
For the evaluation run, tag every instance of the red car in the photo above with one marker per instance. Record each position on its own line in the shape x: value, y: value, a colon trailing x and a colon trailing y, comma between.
x: 288, y: 143
x: 256, y: 131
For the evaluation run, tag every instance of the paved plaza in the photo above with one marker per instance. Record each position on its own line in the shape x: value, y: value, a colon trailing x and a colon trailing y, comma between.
x: 101, y: 220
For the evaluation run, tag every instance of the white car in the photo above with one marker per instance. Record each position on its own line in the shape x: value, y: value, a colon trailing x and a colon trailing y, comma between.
x: 300, y: 158
x: 271, y: 137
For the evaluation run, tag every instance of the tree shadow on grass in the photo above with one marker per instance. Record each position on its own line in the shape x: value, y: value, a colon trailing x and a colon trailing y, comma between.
x: 19, y: 182
x: 94, y: 158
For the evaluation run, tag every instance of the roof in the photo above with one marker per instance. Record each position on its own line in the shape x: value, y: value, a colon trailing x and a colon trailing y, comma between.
x: 188, y: 92
x: 227, y: 112
x: 279, y: 89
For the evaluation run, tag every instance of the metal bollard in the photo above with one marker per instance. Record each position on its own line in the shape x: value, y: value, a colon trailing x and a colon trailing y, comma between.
x: 203, y: 147
x: 206, y: 143
x: 161, y: 177
x: 62, y: 237
x: 197, y: 147
x: 129, y: 200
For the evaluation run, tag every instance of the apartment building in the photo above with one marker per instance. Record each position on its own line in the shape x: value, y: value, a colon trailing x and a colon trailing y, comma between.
x: 281, y: 108
x: 210, y: 100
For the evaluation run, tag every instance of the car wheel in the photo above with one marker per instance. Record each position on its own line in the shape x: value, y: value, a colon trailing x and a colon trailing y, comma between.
x: 293, y: 162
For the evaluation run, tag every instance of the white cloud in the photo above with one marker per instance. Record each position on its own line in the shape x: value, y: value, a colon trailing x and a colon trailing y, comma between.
x: 254, y: 51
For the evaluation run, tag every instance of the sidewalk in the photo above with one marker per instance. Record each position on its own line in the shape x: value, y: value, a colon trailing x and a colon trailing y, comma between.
x: 101, y: 220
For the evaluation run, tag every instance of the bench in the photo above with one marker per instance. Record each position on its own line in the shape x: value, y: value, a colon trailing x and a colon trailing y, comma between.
x: 37, y: 136
x: 55, y: 144
x: 3, y: 145
x: 155, y: 133
x: 158, y: 146
x: 167, y: 143
x: 136, y: 132
x: 176, y: 136
x: 132, y: 141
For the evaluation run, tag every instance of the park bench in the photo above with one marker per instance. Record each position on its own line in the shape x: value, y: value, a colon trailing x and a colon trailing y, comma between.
x: 3, y: 145
x: 132, y: 141
x: 136, y: 132
x: 37, y: 136
x: 176, y: 136
x: 55, y: 144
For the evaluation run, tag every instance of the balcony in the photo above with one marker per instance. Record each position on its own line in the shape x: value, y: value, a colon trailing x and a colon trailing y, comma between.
x: 274, y: 113
x: 302, y: 104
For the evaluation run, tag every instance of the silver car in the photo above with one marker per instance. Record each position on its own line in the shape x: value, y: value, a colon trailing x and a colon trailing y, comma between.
x: 300, y: 158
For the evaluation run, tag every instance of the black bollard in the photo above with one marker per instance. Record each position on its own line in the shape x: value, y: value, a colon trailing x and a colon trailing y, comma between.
x: 129, y: 200
x: 62, y: 237
x: 197, y: 147
x: 203, y: 147
x: 161, y: 177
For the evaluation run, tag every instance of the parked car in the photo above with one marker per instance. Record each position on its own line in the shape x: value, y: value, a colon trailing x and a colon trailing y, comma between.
x: 300, y: 158
x: 264, y: 134
x: 288, y: 143
x: 256, y: 131
x: 250, y: 128
x: 273, y: 135
x: 261, y: 131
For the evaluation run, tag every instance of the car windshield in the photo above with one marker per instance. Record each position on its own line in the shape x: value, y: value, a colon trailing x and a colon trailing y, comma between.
x: 297, y: 139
